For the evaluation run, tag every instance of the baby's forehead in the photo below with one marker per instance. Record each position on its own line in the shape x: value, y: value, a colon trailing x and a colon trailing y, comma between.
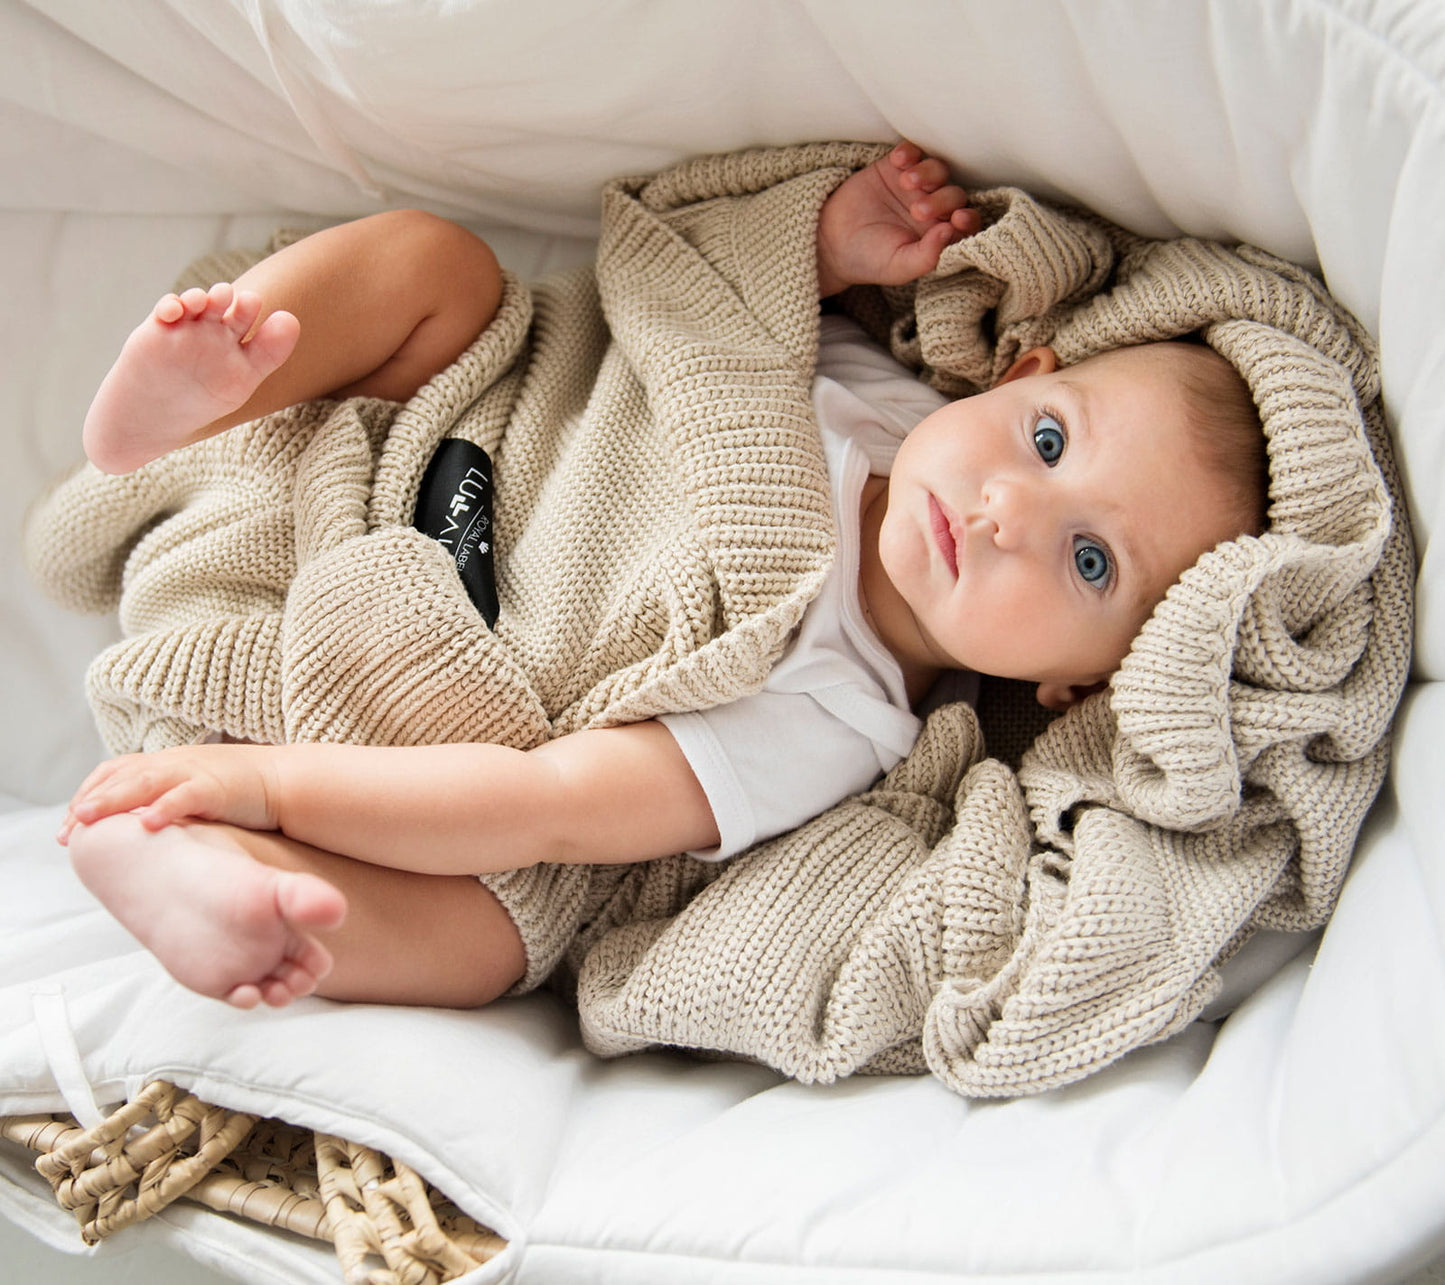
x: 1181, y: 362
x: 1110, y: 391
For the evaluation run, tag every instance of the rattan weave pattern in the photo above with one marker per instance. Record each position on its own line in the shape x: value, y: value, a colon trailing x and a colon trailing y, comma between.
x: 388, y: 1226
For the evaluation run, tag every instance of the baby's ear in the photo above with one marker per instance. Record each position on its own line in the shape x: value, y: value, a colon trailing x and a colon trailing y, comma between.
x: 1037, y: 361
x: 1061, y: 696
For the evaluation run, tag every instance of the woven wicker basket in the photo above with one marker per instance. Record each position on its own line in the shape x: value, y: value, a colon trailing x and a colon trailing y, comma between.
x: 387, y: 1225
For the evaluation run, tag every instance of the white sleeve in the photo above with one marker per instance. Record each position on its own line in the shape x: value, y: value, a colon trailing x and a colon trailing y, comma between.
x: 771, y: 761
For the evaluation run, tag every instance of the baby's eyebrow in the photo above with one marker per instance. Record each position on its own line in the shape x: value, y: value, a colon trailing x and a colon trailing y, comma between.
x: 1076, y: 394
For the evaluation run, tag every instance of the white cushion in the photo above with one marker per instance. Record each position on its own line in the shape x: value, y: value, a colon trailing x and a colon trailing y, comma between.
x: 1301, y: 1140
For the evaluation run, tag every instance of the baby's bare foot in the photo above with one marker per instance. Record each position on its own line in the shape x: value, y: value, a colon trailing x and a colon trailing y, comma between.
x: 187, y: 365
x: 221, y: 922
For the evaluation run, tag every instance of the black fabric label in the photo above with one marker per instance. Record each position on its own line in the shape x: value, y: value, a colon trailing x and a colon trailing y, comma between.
x: 454, y: 507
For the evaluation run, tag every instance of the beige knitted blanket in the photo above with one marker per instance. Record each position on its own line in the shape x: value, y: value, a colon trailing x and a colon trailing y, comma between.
x: 662, y: 520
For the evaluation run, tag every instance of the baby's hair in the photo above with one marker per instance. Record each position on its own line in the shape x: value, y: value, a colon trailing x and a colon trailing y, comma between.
x: 1228, y: 433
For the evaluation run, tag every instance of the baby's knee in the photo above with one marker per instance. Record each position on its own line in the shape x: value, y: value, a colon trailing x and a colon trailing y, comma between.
x: 448, y: 253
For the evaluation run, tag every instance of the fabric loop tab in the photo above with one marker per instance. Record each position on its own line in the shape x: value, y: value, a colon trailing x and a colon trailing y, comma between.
x: 57, y: 1039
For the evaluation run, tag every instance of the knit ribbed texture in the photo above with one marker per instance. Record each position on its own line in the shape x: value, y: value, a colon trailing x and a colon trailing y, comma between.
x: 662, y: 513
x: 662, y: 520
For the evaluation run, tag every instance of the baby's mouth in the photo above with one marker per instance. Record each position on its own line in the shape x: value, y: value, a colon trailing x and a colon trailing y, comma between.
x: 940, y: 520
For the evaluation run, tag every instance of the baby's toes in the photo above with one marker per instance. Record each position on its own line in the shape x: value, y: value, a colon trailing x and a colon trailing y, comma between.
x: 298, y: 981
x: 245, y: 307
x: 194, y: 301
x: 246, y: 995
x: 169, y: 309
x: 312, y: 961
x: 218, y: 299
x: 275, y: 993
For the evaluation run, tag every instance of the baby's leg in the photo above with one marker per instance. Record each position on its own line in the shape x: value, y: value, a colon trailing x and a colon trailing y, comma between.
x: 250, y: 917
x: 371, y: 308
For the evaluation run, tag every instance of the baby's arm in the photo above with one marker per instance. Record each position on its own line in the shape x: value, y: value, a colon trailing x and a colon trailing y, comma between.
x: 614, y: 794
x: 888, y: 224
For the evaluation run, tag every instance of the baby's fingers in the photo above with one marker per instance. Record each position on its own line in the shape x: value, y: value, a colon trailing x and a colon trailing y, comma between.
x: 155, y: 795
x: 85, y: 805
x: 905, y: 154
x: 928, y: 175
x: 939, y: 206
x: 967, y: 221
x: 102, y: 773
x: 188, y: 799
x: 920, y: 257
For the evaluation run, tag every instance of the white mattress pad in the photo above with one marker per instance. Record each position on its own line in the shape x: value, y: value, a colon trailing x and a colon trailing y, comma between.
x: 1300, y: 1139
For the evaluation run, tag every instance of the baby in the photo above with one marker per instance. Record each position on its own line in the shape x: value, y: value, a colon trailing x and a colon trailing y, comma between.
x: 1027, y: 532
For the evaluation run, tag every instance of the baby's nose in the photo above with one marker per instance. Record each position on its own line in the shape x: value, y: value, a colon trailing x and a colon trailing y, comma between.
x: 1009, y: 508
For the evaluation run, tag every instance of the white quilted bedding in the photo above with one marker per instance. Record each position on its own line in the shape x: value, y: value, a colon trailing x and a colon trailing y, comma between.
x: 1300, y: 1140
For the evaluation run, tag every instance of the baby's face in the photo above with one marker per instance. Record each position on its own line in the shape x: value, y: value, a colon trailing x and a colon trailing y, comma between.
x: 1032, y: 529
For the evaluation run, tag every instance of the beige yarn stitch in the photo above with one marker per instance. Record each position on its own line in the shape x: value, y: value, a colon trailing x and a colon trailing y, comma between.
x: 662, y: 521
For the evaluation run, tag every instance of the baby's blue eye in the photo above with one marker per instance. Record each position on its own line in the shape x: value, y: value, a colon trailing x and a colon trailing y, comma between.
x: 1049, y: 439
x: 1091, y: 560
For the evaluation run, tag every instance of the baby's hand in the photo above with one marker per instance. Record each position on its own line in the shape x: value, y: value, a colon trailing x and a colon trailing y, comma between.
x: 888, y: 224
x: 210, y: 782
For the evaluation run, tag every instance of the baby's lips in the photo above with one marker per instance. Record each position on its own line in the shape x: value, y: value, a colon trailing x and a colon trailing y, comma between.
x: 945, y: 533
